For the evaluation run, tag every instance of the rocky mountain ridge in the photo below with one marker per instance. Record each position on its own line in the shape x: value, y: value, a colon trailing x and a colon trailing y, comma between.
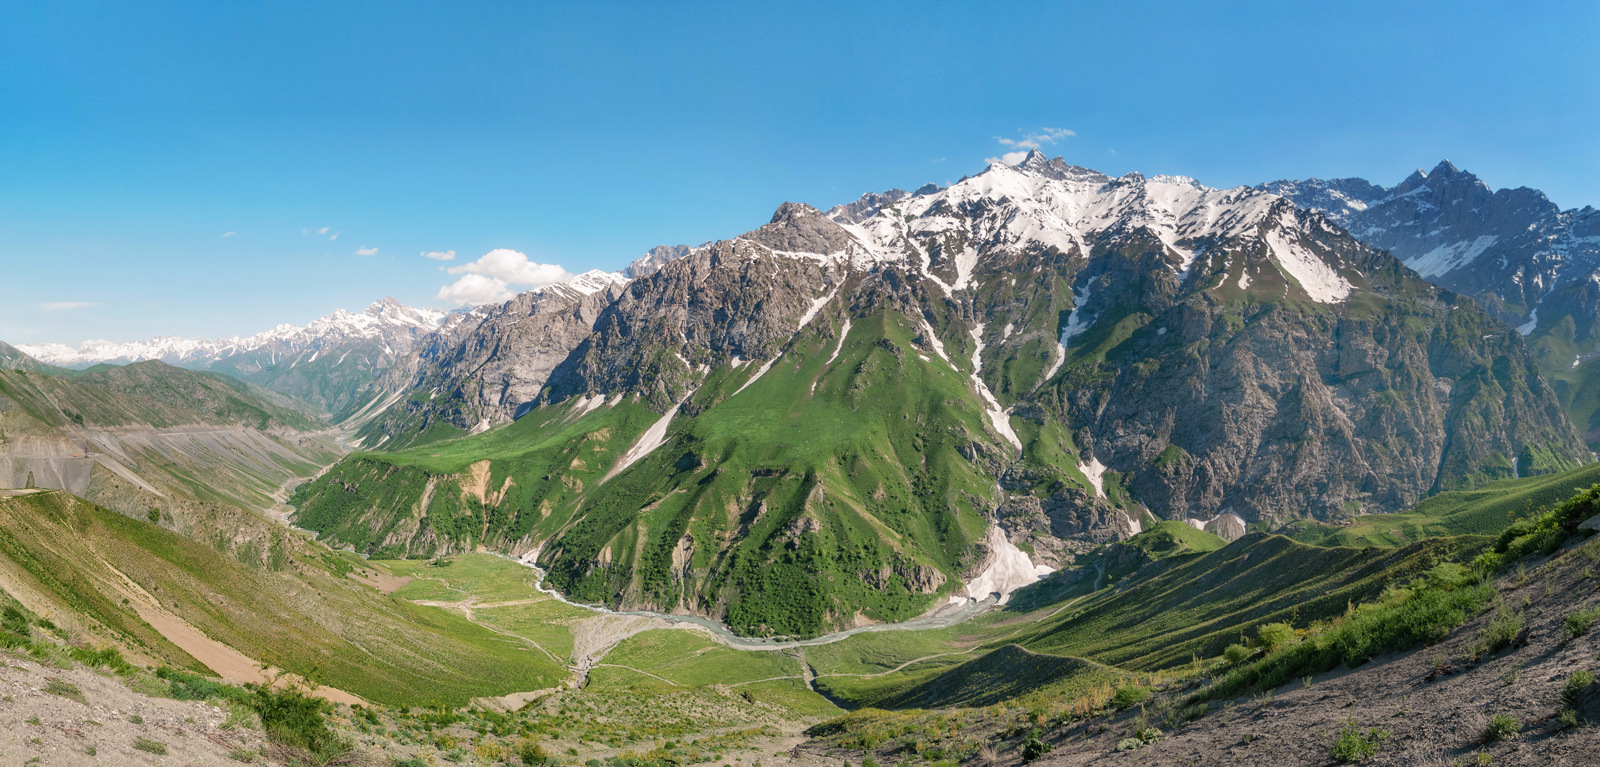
x: 1524, y: 259
x: 1069, y: 355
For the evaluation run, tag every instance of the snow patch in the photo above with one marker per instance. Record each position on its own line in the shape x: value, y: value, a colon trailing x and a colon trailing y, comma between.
x: 1447, y: 258
x: 842, y: 334
x: 759, y: 374
x: 1061, y: 357
x: 1009, y: 569
x: 1316, y: 278
x: 1076, y: 323
x: 997, y: 415
x: 653, y: 437
x: 1528, y: 327
x: 1095, y: 471
x: 816, y: 306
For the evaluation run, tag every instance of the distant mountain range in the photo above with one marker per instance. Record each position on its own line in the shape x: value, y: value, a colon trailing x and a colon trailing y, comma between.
x: 323, y: 363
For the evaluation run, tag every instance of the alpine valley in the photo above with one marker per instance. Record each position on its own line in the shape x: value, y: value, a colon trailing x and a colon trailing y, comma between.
x: 1042, y: 465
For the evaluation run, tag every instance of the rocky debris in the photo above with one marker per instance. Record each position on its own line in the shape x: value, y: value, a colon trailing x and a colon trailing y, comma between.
x: 919, y: 578
x: 101, y: 723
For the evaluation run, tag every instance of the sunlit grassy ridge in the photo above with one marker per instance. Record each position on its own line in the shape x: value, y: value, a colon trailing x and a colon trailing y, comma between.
x: 1484, y: 511
x: 291, y: 610
x: 1199, y: 605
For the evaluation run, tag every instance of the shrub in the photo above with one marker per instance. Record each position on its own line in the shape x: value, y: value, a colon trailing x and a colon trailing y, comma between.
x: 1577, y: 622
x: 185, y: 686
x: 1501, y: 727
x: 295, y: 721
x: 531, y: 753
x: 1275, y: 635
x: 151, y: 746
x: 1397, y: 621
x: 1129, y: 695
x: 1353, y: 746
x: 1572, y: 692
x: 1236, y: 654
x: 1500, y: 632
x: 1033, y: 748
x: 65, y: 689
x: 12, y: 619
x: 1543, y: 533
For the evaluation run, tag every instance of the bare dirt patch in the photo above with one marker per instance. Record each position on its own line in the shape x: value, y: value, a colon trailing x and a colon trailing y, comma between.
x: 59, y: 730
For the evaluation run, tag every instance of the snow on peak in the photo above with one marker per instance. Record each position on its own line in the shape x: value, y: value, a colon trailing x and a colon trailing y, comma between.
x: 594, y: 281
x: 379, y: 320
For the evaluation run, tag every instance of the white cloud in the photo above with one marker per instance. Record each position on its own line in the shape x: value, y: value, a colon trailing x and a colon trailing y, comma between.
x: 366, y: 251
x: 476, y: 289
x: 56, y: 306
x: 448, y: 255
x: 489, y: 278
x: 230, y: 234
x: 335, y: 235
x: 514, y: 268
x: 323, y: 230
x: 1036, y: 140
x: 1009, y: 158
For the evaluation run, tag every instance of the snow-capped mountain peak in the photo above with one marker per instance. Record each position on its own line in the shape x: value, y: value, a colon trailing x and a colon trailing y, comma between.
x: 386, y: 320
x: 594, y: 281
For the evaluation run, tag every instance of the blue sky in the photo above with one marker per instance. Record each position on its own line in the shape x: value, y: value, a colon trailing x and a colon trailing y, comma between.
x: 133, y: 137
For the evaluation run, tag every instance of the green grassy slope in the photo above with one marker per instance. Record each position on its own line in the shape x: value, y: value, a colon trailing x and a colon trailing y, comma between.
x: 59, y: 401
x: 1199, y: 605
x: 282, y: 600
x: 822, y: 490
x: 1007, y: 674
x: 1484, y: 511
x: 225, y: 399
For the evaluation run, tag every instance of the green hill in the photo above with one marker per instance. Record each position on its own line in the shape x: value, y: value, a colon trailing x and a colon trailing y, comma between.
x: 223, y: 398
x: 257, y: 588
x: 835, y: 484
x: 1484, y: 511
x: 1198, y: 605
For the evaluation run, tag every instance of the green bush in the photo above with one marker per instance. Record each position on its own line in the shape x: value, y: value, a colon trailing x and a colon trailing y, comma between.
x: 1275, y: 635
x: 1129, y: 695
x: 150, y: 746
x: 1572, y: 692
x: 1352, y: 745
x: 1544, y: 533
x: 1498, y: 634
x: 1033, y: 748
x: 1577, y: 622
x: 185, y: 686
x: 1236, y: 654
x: 531, y: 753
x: 1501, y: 727
x: 12, y: 619
x: 296, y: 720
x: 1399, y: 620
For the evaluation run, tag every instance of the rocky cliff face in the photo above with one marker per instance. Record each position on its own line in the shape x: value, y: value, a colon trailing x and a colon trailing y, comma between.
x: 795, y: 428
x: 479, y: 369
x: 1516, y: 253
